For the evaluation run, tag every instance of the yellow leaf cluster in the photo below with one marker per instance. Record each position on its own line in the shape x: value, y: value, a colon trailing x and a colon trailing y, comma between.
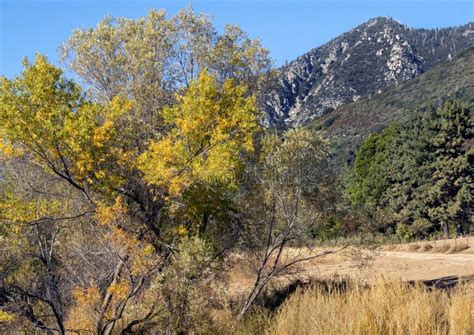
x: 8, y: 150
x: 19, y: 210
x: 47, y: 116
x: 6, y: 317
x: 119, y: 291
x: 101, y: 134
x: 86, y: 302
x: 210, y: 127
x: 144, y: 260
x: 108, y: 215
x: 140, y: 254
x: 181, y: 230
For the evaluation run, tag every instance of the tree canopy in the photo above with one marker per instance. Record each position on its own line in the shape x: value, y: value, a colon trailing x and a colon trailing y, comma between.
x: 418, y: 174
x: 104, y: 187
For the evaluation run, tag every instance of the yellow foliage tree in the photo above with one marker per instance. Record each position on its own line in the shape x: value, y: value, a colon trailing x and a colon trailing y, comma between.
x: 47, y: 117
x: 210, y: 127
x: 90, y: 179
x: 99, y: 306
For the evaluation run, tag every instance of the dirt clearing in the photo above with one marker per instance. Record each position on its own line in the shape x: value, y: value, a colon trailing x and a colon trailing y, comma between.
x: 392, y: 262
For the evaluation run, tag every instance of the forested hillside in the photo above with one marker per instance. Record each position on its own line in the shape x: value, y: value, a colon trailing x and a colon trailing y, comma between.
x: 349, y: 125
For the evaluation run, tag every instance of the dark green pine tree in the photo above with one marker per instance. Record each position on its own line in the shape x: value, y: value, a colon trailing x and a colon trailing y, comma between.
x: 449, y: 198
x: 409, y: 171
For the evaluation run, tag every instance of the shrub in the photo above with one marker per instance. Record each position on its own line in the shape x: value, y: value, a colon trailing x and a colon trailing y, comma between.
x: 413, y: 247
x: 427, y: 247
x: 458, y: 248
x: 442, y: 248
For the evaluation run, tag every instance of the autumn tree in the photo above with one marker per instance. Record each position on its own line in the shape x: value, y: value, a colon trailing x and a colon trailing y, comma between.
x: 210, y: 127
x: 152, y: 61
x: 57, y: 151
x: 74, y: 157
x: 32, y: 221
x: 284, y: 206
x: 46, y: 117
x: 109, y: 270
x: 150, y: 58
x: 112, y: 193
x: 55, y: 148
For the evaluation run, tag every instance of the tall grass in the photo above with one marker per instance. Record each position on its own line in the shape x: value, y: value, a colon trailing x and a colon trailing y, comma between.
x: 386, y: 307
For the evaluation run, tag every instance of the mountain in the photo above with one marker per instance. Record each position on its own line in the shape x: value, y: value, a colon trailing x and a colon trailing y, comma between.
x: 367, y: 60
x: 348, y: 125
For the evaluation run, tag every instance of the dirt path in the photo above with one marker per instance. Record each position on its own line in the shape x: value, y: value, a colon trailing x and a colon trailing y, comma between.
x: 404, y: 265
x: 407, y: 266
x: 460, y: 259
x: 400, y: 261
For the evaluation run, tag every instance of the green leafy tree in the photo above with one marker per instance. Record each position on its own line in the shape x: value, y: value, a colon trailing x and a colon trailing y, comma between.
x: 371, y: 175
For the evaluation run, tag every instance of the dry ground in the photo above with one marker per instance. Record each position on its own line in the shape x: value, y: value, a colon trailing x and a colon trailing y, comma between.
x: 414, y: 261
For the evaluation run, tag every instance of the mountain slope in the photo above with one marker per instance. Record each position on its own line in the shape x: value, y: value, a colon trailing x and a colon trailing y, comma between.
x: 376, y: 55
x: 350, y: 124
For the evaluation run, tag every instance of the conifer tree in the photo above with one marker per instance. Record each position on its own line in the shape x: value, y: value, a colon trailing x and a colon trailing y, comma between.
x: 450, y: 195
x: 411, y: 155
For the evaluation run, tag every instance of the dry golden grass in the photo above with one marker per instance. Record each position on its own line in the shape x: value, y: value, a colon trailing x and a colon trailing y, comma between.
x: 442, y: 248
x: 386, y: 307
x: 413, y: 247
x: 458, y: 248
x: 391, y: 247
x: 458, y: 245
x: 426, y: 247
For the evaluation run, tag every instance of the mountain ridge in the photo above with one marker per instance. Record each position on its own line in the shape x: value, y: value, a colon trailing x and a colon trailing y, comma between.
x: 349, y: 124
x: 372, y: 57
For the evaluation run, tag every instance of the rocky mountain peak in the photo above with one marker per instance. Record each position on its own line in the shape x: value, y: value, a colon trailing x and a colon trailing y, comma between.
x: 377, y: 54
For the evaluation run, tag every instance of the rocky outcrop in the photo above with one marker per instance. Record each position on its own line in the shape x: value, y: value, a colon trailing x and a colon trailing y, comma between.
x: 376, y: 55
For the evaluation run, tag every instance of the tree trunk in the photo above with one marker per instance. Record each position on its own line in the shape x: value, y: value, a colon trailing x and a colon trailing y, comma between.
x: 446, y: 230
x: 205, y: 222
x: 106, y: 301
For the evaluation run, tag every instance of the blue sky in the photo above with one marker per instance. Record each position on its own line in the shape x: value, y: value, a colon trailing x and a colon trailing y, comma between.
x: 286, y: 28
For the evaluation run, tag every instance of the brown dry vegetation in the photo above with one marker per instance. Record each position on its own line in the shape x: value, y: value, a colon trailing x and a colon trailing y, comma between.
x: 459, y: 247
x: 375, y: 305
x: 414, y: 247
x: 393, y: 261
x: 381, y: 303
x: 386, y: 307
x: 426, y: 247
x: 464, y: 245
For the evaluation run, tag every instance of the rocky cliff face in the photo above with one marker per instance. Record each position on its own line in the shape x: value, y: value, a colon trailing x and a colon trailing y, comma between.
x: 376, y: 55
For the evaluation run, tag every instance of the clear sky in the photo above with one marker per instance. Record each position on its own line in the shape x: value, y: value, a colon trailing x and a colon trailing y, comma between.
x: 287, y: 28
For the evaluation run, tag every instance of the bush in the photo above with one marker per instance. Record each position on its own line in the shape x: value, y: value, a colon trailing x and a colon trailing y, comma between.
x: 189, y: 290
x: 404, y: 232
x: 413, y: 247
x: 427, y: 247
x: 458, y: 248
